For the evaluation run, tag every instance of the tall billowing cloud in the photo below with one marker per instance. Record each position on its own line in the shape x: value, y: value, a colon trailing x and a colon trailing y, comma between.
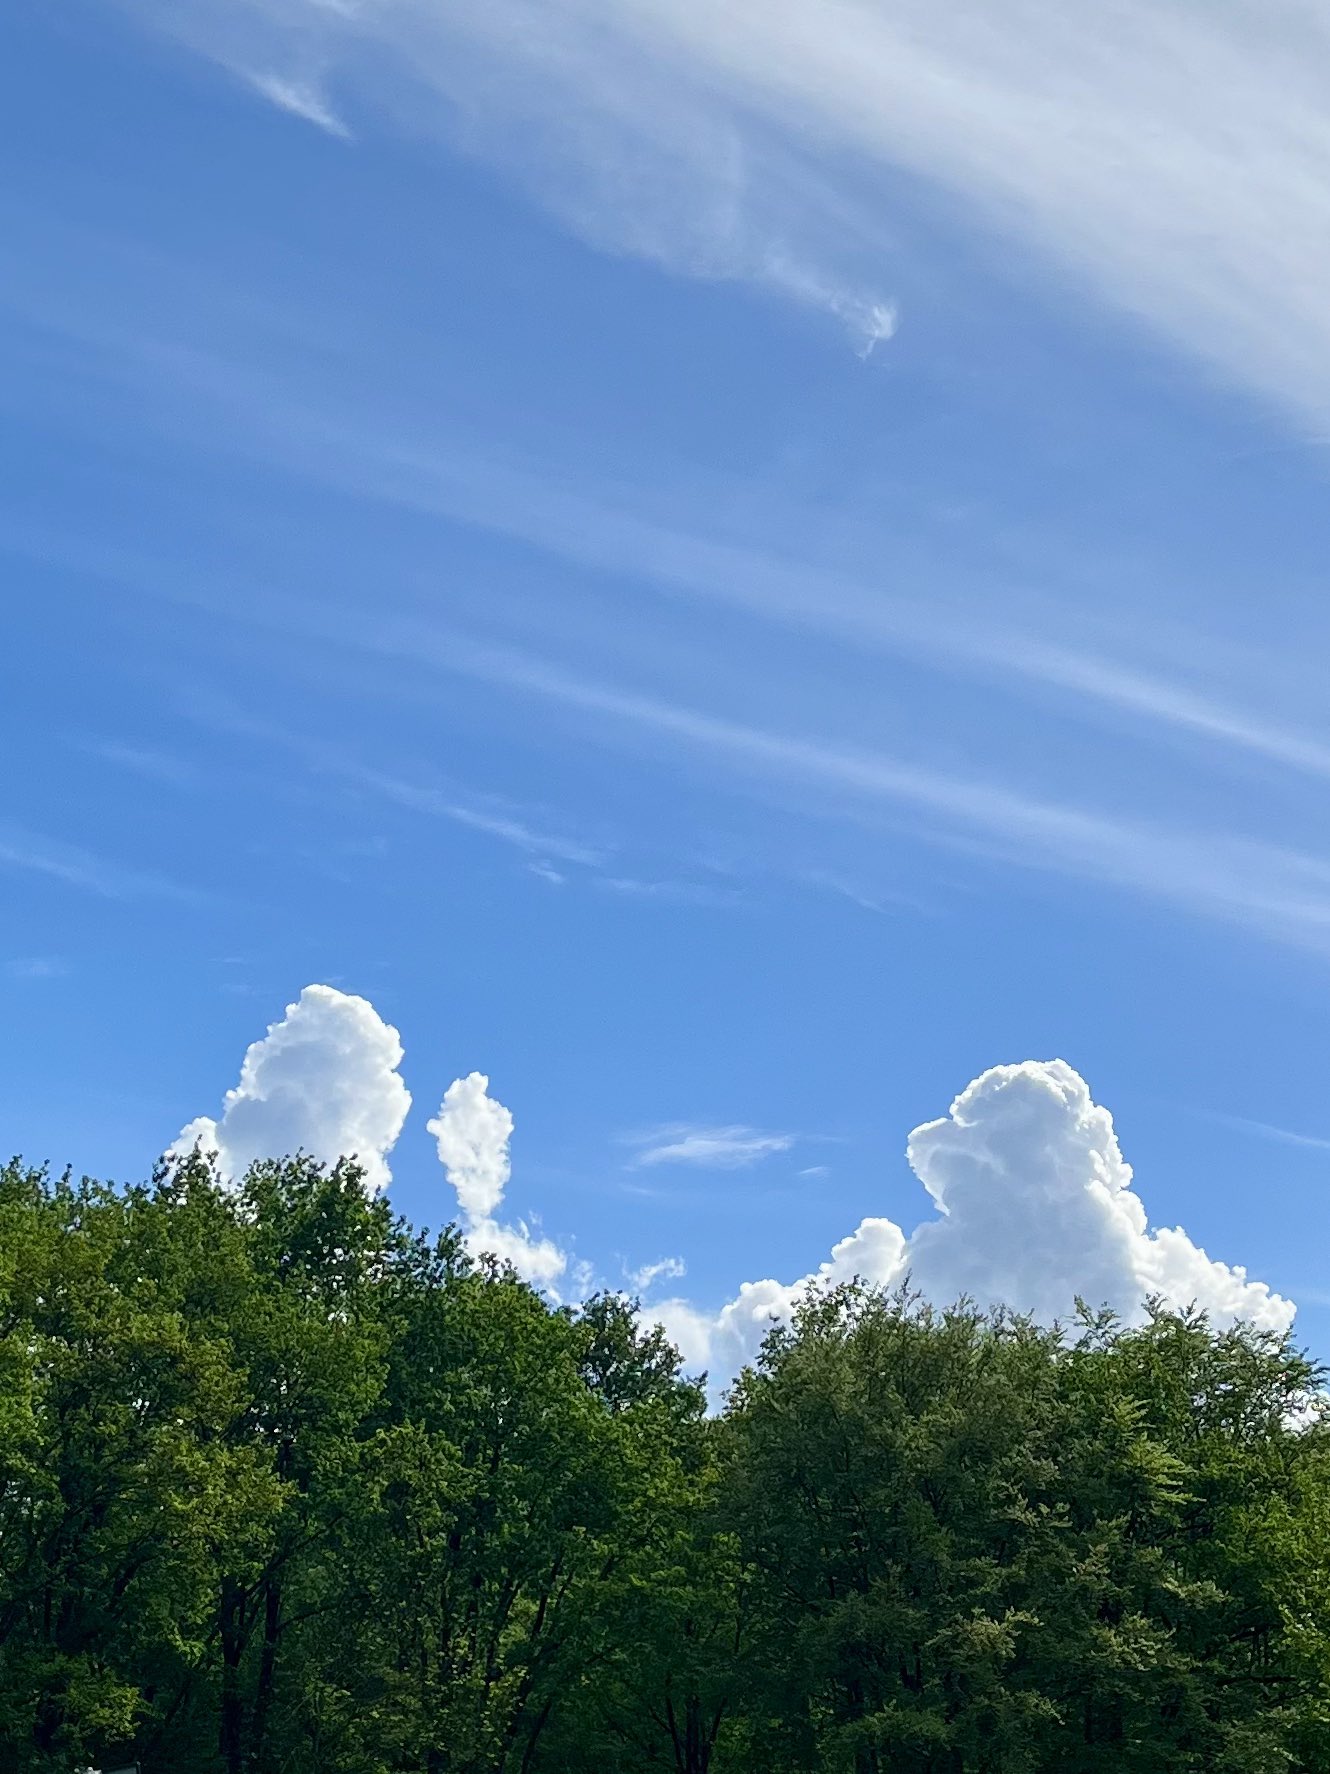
x: 1036, y: 1197
x: 1036, y: 1209
x: 472, y: 1131
x: 323, y: 1080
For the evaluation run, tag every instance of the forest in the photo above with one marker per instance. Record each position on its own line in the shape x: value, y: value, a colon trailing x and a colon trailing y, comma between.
x: 287, y: 1487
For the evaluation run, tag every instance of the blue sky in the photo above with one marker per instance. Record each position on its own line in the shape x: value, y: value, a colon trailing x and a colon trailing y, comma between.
x: 728, y: 569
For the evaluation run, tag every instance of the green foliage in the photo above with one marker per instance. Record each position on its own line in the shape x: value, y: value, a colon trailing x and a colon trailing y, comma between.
x: 287, y: 1489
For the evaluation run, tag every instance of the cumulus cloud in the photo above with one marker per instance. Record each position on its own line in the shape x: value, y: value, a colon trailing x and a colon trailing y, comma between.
x: 472, y: 1131
x: 1035, y: 1204
x: 713, y: 1148
x: 1035, y: 1209
x: 323, y: 1080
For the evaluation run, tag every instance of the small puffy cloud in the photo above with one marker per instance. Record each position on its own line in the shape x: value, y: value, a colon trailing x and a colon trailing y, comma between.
x: 1035, y: 1209
x: 323, y: 1080
x: 713, y: 1148
x: 875, y: 323
x: 472, y: 1131
x: 667, y: 1269
x: 544, y: 871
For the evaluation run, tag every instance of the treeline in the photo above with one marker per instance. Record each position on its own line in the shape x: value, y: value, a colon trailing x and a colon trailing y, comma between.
x: 288, y: 1489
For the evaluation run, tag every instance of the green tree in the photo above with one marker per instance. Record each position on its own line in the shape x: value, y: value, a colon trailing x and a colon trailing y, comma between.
x: 287, y: 1488
x: 979, y: 1550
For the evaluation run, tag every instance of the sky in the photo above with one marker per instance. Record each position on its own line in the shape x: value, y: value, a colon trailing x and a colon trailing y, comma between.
x: 698, y: 630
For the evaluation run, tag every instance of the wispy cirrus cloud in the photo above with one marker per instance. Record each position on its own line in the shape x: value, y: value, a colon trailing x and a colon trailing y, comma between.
x: 1280, y: 890
x: 488, y: 815
x: 668, y: 891
x: 505, y: 826
x: 1167, y: 682
x: 996, y: 629
x: 1218, y: 870
x: 31, y: 853
x: 1169, y: 158
x: 142, y: 760
x: 1283, y: 891
x: 301, y: 98
x: 709, y: 1148
x: 1265, y: 1130
x: 36, y: 967
x: 628, y: 149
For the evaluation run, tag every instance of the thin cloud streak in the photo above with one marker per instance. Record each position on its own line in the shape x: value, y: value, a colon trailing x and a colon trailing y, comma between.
x: 30, y: 853
x: 1283, y: 892
x: 142, y: 760
x: 951, y: 632
x: 495, y: 825
x: 1286, y: 892
x: 709, y: 1148
x: 516, y: 501
x: 417, y: 797
x: 1265, y: 1130
x: 37, y: 967
x: 299, y: 98
x: 806, y: 596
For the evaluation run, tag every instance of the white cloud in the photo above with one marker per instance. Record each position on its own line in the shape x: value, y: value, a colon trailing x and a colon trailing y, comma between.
x: 1284, y: 892
x: 143, y: 760
x: 1035, y: 1208
x: 627, y: 148
x: 472, y: 1131
x: 667, y: 1269
x: 1177, y: 679
x: 36, y: 967
x: 302, y: 99
x: 1171, y: 155
x: 1035, y: 1204
x: 1282, y: 1136
x: 27, y: 851
x: 496, y: 820
x: 693, y: 893
x: 713, y: 1148
x: 323, y: 1080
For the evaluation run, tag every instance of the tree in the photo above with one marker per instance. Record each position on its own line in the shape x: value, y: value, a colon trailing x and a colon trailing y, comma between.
x: 976, y: 1548
x: 288, y: 1488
